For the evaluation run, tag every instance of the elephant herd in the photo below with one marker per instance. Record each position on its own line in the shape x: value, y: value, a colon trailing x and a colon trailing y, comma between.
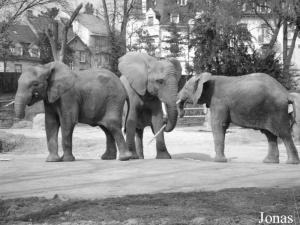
x: 150, y: 88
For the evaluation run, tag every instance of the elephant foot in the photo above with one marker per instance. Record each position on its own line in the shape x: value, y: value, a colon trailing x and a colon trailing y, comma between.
x: 108, y: 156
x: 270, y: 159
x: 134, y: 155
x: 163, y: 155
x: 220, y: 159
x: 53, y: 158
x: 293, y: 161
x: 68, y: 158
x: 125, y: 156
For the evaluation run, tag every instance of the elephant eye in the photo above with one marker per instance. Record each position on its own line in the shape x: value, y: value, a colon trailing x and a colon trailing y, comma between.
x: 160, y: 81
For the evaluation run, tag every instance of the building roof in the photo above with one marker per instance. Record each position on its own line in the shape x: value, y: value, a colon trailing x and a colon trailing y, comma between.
x: 42, y: 23
x: 77, y: 38
x: 21, y: 34
x: 93, y: 23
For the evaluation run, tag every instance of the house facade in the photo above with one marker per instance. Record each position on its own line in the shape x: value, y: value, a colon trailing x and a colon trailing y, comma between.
x: 80, y: 54
x: 93, y: 33
x: 23, y: 50
x: 159, y: 14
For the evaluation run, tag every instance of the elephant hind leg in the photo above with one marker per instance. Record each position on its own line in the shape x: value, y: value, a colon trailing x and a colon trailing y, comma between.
x: 115, y: 130
x: 111, y: 150
x: 292, y: 153
x: 139, y: 142
x: 273, y: 152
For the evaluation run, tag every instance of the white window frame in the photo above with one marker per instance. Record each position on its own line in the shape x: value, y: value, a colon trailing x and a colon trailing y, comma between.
x: 82, y: 56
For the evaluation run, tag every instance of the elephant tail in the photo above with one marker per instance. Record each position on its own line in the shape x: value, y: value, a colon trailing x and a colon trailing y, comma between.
x: 127, y: 113
x: 292, y: 110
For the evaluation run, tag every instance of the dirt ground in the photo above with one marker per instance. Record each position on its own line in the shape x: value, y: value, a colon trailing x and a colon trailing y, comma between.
x: 189, y: 189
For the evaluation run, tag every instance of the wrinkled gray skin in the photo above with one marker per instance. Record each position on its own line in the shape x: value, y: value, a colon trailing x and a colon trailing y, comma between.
x: 149, y: 82
x: 253, y: 101
x: 94, y: 97
x: 296, y: 127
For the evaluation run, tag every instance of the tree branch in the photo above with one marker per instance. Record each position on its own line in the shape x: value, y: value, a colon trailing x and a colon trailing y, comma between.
x: 65, y: 32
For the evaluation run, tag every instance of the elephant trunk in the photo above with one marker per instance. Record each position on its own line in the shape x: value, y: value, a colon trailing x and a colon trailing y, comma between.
x: 172, y: 117
x: 20, y: 104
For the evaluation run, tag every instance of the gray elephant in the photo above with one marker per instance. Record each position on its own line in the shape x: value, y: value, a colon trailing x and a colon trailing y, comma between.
x: 94, y: 97
x: 296, y: 126
x: 253, y: 101
x: 149, y: 83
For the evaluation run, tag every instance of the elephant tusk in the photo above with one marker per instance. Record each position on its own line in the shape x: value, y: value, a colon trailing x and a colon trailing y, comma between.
x: 12, y: 102
x: 178, y: 101
x: 164, y: 109
x: 157, y: 133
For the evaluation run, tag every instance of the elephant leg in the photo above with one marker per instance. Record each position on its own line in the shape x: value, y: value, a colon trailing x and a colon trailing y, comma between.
x: 130, y: 134
x: 139, y: 142
x: 219, y: 122
x: 292, y: 153
x: 52, y: 127
x: 115, y: 130
x: 161, y: 149
x: 273, y: 152
x: 111, y: 150
x: 67, y: 129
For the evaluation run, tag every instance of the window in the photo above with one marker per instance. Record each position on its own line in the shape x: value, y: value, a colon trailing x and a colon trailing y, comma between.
x: 18, y: 68
x: 150, y: 21
x: 17, y: 49
x: 263, y: 34
x: 181, y: 2
x: 82, y: 57
x: 71, y: 65
x: 34, y: 52
x: 174, y: 18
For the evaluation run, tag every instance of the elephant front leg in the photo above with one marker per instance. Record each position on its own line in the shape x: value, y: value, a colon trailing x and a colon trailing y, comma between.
x: 273, y: 152
x: 111, y: 150
x: 52, y: 126
x: 139, y: 142
x: 219, y: 126
x: 67, y: 128
x: 161, y: 149
x: 130, y: 134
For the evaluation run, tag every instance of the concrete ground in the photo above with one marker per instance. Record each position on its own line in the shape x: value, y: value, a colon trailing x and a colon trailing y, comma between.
x: 24, y: 172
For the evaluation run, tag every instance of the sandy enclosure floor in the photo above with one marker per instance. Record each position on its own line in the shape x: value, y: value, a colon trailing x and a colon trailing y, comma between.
x: 27, y: 174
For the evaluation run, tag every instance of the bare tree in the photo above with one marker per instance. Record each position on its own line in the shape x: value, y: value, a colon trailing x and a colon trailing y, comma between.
x: 278, y: 14
x: 13, y: 9
x: 52, y: 34
x: 117, y: 16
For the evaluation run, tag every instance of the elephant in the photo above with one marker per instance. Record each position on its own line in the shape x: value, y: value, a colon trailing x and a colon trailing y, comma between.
x: 254, y: 101
x: 94, y: 97
x: 152, y: 87
x: 296, y: 126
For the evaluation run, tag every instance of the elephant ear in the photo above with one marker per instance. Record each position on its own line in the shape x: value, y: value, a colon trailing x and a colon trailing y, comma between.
x: 133, y: 67
x: 60, y: 79
x: 199, y: 82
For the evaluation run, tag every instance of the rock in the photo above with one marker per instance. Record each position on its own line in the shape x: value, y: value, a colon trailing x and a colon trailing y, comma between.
x: 22, y: 124
x: 38, y: 122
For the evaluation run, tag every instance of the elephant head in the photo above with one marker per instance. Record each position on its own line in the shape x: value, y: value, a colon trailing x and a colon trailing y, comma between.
x: 192, y: 91
x: 159, y: 78
x: 47, y: 82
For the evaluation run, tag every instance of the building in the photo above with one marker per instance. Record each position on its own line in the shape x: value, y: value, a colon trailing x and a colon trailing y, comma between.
x: 23, y: 50
x: 94, y: 34
x: 159, y: 14
x: 80, y: 54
